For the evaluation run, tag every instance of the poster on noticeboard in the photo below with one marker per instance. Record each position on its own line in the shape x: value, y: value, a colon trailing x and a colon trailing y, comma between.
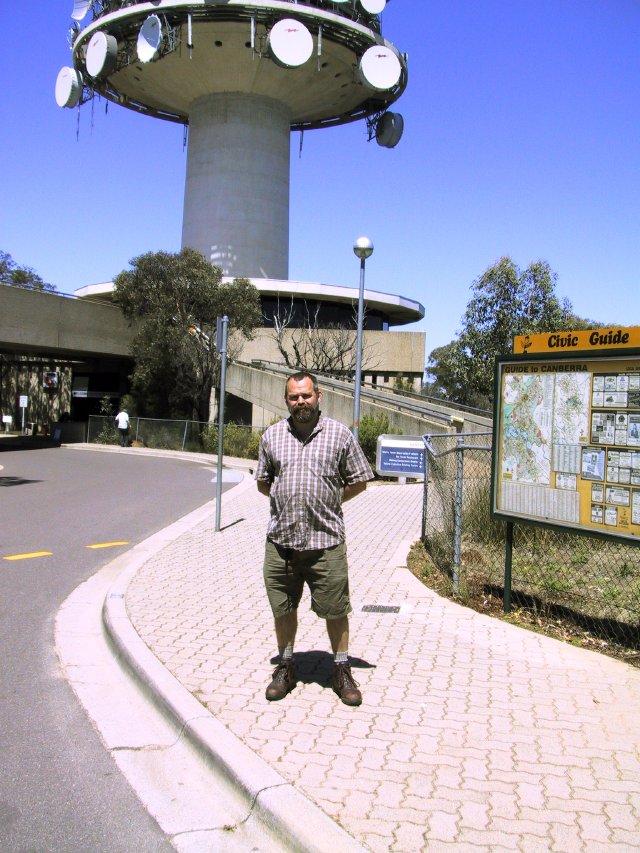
x: 567, y: 439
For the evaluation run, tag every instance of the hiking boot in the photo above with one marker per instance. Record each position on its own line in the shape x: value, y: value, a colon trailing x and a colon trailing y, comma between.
x: 283, y: 681
x: 345, y: 685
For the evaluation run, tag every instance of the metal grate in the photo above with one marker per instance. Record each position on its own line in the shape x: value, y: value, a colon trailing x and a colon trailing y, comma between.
x: 380, y: 608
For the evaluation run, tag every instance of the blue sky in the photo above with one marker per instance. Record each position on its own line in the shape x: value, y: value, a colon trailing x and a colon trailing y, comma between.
x: 522, y: 138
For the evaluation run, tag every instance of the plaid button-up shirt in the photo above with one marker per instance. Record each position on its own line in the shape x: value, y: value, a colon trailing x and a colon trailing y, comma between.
x: 307, y: 479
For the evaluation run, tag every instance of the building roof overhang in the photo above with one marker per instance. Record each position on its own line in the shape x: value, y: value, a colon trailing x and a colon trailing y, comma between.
x: 398, y: 310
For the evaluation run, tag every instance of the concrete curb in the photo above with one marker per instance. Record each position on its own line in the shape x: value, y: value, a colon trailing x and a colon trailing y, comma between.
x: 282, y: 809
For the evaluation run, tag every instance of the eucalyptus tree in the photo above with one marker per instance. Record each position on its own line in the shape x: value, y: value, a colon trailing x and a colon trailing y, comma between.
x: 173, y: 299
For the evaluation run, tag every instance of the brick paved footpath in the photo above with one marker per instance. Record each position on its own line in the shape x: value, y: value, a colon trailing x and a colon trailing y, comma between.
x: 474, y: 735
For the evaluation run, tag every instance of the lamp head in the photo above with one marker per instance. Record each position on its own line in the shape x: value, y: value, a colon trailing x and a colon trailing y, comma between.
x: 363, y: 248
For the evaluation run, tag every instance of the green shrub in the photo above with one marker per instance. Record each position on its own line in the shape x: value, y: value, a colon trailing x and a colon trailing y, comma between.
x: 371, y: 426
x: 239, y: 441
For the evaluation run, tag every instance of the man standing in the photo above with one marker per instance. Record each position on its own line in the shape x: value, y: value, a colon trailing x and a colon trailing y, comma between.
x: 122, y: 422
x: 308, y: 465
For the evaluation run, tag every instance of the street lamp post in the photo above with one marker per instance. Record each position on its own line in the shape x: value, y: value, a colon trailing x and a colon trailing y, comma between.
x: 363, y: 248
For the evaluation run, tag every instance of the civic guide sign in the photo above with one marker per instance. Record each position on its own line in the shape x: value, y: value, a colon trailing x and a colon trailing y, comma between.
x: 567, y: 440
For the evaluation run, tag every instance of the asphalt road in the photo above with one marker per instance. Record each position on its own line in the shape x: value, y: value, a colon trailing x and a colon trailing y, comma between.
x: 59, y: 789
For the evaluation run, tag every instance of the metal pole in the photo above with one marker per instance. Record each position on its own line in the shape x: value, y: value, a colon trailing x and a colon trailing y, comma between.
x: 356, y: 397
x: 458, y: 517
x: 508, y: 557
x: 425, y: 488
x: 222, y: 349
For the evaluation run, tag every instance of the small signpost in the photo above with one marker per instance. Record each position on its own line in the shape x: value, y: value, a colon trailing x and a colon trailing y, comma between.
x: 222, y: 325
x: 400, y: 456
x: 24, y: 402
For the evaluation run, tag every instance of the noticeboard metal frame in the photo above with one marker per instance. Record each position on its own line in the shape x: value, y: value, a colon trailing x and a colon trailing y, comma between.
x: 589, y: 359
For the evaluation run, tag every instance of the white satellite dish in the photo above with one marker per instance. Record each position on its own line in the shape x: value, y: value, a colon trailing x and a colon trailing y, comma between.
x: 68, y: 87
x: 80, y: 9
x: 380, y: 68
x: 102, y: 54
x: 389, y: 130
x: 149, y: 38
x: 373, y: 7
x: 290, y: 43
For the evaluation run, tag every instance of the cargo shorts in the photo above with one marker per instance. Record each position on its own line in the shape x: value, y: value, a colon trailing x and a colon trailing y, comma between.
x: 325, y: 572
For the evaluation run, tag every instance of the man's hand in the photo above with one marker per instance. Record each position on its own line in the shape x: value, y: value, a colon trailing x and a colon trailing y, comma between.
x: 352, y: 490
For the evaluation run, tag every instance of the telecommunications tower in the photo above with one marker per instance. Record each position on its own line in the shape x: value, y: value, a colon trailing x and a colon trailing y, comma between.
x: 241, y: 75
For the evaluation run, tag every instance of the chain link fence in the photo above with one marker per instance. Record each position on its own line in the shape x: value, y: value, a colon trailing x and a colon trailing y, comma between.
x: 193, y: 436
x: 592, y: 582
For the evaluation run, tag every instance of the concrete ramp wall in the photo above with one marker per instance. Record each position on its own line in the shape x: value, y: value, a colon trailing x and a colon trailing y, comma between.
x: 31, y: 321
x: 265, y: 389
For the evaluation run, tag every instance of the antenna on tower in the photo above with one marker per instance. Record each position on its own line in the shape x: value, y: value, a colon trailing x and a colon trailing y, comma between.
x: 68, y: 87
x: 102, y: 55
x: 189, y: 35
x: 389, y: 129
x: 373, y: 7
x: 289, y: 43
x: 72, y: 33
x: 80, y: 9
x: 149, y: 38
x: 379, y: 68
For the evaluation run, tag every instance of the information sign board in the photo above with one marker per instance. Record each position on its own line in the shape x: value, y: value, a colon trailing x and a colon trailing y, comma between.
x: 583, y: 340
x: 400, y: 455
x: 567, y: 441
x: 24, y: 401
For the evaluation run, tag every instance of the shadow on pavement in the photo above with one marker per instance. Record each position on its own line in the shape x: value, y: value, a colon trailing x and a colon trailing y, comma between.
x: 16, y: 481
x: 26, y: 442
x: 316, y: 666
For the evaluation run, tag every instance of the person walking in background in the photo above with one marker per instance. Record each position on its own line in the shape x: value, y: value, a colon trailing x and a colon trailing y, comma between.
x: 308, y: 465
x: 122, y: 422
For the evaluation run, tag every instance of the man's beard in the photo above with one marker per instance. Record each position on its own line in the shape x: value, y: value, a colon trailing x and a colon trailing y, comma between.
x: 304, y: 414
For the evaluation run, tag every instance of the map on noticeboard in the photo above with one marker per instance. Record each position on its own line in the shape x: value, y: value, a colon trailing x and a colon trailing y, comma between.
x: 567, y: 442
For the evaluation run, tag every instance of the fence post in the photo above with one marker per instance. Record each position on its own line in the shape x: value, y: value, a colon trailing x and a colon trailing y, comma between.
x: 425, y: 487
x: 457, y: 514
x: 184, y: 437
x: 508, y: 554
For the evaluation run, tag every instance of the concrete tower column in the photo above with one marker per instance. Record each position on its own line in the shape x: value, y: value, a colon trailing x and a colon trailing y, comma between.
x: 236, y: 200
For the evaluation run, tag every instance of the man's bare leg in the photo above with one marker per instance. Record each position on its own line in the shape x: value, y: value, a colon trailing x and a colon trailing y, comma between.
x: 338, y: 631
x: 286, y: 628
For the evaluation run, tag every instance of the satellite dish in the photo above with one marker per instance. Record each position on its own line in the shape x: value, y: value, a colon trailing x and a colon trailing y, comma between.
x: 380, y: 68
x: 389, y: 130
x: 102, y: 54
x: 80, y: 9
x: 290, y: 43
x: 68, y: 87
x: 72, y: 33
x: 149, y: 38
x: 373, y: 7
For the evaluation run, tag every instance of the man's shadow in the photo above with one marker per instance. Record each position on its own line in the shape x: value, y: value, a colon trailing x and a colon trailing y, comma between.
x: 316, y: 667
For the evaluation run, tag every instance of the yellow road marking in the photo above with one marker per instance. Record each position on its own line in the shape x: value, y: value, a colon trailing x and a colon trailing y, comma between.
x: 28, y: 556
x: 106, y: 545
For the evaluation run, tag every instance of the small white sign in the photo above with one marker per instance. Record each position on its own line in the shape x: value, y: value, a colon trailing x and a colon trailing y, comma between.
x: 7, y: 419
x: 400, y: 455
x: 24, y: 401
